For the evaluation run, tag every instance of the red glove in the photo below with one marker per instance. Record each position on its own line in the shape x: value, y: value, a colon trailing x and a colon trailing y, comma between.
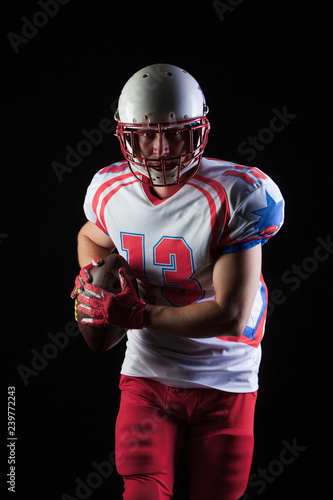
x: 84, y: 276
x: 124, y: 309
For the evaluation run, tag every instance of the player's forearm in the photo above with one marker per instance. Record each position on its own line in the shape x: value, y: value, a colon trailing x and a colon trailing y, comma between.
x: 202, y: 320
x: 88, y: 250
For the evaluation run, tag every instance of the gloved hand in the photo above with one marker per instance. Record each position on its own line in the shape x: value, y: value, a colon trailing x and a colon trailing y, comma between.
x: 124, y: 309
x: 84, y: 277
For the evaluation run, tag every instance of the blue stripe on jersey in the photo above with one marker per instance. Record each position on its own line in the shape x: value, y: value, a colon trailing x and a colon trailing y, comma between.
x: 251, y: 332
x: 240, y: 247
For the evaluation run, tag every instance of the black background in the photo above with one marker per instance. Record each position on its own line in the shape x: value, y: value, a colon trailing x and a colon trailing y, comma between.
x: 66, y: 78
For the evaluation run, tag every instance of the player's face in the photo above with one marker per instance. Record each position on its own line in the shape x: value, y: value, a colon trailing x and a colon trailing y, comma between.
x: 164, y: 145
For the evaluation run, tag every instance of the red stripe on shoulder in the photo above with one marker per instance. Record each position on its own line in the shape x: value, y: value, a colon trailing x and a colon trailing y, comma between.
x: 107, y: 197
x: 223, y: 213
x: 105, y: 186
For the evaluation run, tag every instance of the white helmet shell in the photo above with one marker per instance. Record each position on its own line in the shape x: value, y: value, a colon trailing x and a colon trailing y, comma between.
x: 161, y: 93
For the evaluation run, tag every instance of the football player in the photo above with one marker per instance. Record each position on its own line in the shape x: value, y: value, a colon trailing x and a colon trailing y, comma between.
x: 191, y: 229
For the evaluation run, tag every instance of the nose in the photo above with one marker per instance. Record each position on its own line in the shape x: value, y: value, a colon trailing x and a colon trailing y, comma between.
x: 161, y: 145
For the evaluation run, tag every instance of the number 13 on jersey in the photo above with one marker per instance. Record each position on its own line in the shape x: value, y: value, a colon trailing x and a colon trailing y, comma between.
x: 173, y: 258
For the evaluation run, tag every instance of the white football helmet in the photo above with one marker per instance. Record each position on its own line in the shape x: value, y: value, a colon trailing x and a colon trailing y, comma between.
x: 162, y: 98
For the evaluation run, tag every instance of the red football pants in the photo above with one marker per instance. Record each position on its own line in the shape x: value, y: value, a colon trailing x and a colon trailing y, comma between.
x: 156, y: 421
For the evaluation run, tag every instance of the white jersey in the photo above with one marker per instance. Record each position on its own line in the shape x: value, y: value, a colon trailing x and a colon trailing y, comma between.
x: 171, y: 246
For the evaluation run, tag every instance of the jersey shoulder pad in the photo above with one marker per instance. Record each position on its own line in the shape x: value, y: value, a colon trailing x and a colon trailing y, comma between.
x: 256, y: 207
x: 120, y: 167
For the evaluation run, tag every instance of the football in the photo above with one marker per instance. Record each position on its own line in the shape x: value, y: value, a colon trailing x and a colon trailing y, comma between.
x: 106, y: 276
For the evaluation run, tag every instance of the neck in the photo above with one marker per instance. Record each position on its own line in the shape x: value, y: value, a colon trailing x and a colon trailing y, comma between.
x: 162, y: 192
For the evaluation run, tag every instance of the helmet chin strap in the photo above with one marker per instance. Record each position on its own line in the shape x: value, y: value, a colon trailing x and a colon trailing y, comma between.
x: 168, y: 177
x: 157, y: 177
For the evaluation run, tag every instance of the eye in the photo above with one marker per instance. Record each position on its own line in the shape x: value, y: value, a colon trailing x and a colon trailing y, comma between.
x: 173, y: 133
x: 148, y: 135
